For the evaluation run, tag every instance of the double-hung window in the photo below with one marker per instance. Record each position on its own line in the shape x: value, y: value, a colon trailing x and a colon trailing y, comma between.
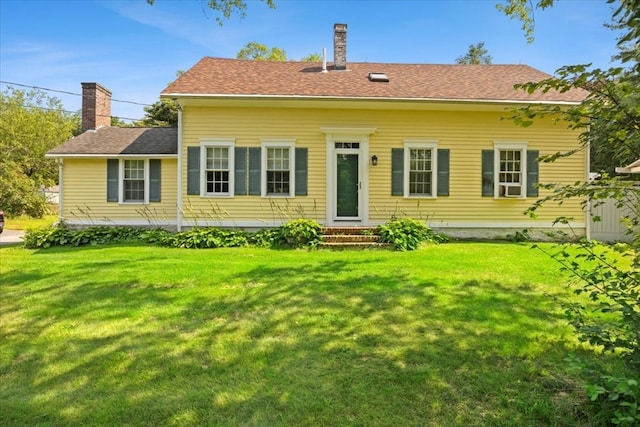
x: 420, y: 165
x: 217, y: 167
x: 134, y: 181
x: 510, y: 171
x: 278, y: 167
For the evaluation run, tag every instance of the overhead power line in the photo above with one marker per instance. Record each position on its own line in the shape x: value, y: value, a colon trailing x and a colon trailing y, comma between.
x: 69, y: 93
x: 74, y: 112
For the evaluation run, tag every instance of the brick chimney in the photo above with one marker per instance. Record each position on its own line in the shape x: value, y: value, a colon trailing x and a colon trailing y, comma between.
x: 340, y: 46
x: 96, y: 106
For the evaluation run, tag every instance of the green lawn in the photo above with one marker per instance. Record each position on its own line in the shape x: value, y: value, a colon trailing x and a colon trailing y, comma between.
x: 24, y: 222
x: 457, y: 334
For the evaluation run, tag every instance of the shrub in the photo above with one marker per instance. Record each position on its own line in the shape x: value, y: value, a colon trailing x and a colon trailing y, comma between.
x: 406, y: 234
x: 205, y: 238
x: 266, y: 238
x: 60, y: 235
x: 301, y: 233
x: 47, y: 237
x: 155, y: 236
x: 610, y: 321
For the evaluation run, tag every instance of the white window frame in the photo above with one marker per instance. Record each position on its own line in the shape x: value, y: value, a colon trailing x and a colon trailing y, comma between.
x: 509, y: 146
x: 121, y: 182
x: 280, y: 143
x: 421, y: 145
x: 206, y: 143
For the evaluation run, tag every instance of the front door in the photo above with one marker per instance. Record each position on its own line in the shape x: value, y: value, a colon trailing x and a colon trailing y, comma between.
x: 347, y: 185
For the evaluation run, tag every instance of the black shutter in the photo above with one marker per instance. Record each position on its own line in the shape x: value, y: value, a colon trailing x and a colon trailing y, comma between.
x: 254, y: 171
x: 241, y: 172
x: 443, y: 172
x: 397, y: 171
x: 301, y: 171
x: 487, y: 173
x: 532, y: 173
x: 193, y: 170
x: 112, y: 179
x: 154, y: 180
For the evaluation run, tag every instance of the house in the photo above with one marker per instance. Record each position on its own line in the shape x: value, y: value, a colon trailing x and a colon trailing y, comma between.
x: 259, y: 143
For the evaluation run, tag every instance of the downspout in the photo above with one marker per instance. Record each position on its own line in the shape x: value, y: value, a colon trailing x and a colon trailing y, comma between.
x: 179, y: 195
x: 60, y: 163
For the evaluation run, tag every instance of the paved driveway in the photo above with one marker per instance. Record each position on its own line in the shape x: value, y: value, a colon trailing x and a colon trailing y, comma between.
x: 11, y: 236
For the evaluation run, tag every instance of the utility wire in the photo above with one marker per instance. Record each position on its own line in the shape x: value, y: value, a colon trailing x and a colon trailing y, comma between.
x: 69, y: 93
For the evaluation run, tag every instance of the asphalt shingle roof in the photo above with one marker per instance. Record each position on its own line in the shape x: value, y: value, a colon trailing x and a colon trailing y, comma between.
x: 234, y: 77
x: 110, y: 141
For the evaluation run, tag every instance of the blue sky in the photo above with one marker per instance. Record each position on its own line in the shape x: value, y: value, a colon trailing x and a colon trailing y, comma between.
x: 135, y: 49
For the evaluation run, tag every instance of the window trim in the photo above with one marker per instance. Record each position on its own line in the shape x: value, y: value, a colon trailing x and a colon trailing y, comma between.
x: 510, y: 146
x: 206, y: 143
x: 121, y: 199
x: 265, y: 144
x: 423, y: 145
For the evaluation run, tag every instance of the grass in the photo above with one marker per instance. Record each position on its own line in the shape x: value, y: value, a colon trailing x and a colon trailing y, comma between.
x: 454, y: 334
x: 25, y: 222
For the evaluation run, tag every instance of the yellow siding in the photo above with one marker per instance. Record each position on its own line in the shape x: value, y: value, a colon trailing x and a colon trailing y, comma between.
x: 465, y: 134
x: 84, y: 196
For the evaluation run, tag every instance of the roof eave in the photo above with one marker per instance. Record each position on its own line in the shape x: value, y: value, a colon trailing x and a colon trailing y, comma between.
x: 108, y: 156
x: 223, y: 96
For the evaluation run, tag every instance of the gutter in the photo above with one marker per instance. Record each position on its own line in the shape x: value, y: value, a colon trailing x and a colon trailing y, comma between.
x: 361, y: 98
x: 109, y: 156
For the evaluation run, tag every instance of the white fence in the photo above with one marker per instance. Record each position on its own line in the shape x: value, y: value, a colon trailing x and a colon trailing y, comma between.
x: 609, y: 228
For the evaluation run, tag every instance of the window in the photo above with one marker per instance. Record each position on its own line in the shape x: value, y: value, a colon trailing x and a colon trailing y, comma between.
x: 420, y: 169
x: 278, y: 164
x: 510, y: 171
x: 217, y: 170
x: 420, y: 172
x: 420, y: 165
x: 134, y: 180
x: 217, y: 167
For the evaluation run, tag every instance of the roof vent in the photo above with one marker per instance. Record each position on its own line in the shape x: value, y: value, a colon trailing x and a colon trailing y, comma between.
x: 378, y: 77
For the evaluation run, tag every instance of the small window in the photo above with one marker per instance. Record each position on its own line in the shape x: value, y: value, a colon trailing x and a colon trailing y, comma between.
x: 348, y: 145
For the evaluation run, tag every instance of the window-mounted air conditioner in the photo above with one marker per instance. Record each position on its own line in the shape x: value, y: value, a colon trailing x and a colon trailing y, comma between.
x: 511, y: 190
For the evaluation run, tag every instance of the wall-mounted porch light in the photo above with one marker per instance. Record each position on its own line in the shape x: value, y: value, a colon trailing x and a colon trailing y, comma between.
x: 374, y: 160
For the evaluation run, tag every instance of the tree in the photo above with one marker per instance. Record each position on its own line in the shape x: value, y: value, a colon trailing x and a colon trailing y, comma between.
x: 228, y: 7
x: 609, y: 124
x: 476, y: 54
x: 312, y: 57
x: 31, y: 124
x: 524, y: 11
x: 163, y: 113
x: 259, y: 52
